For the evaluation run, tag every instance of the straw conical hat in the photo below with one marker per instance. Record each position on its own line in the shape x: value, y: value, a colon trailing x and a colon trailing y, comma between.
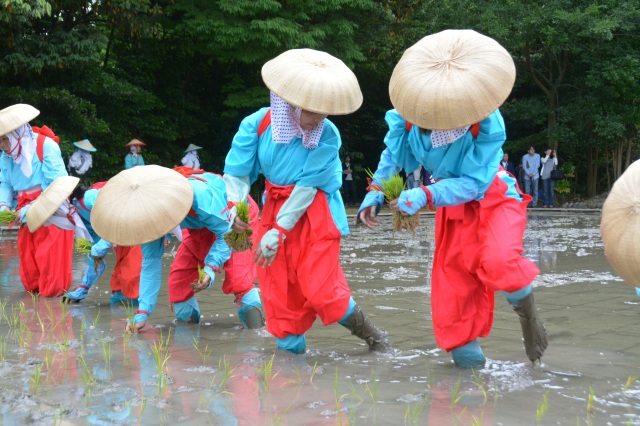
x: 141, y: 204
x: 620, y: 226
x: 136, y: 142
x: 86, y: 145
x: 192, y: 147
x: 451, y: 79
x: 15, y: 116
x: 314, y: 81
x: 49, y: 201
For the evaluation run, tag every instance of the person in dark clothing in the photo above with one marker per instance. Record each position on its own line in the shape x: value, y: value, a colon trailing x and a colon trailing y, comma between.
x: 348, y: 182
x: 508, y: 165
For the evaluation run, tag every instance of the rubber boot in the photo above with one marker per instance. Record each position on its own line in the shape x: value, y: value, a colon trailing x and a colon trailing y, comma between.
x: 118, y: 297
x: 187, y: 311
x: 363, y: 327
x: 250, y: 310
x: 469, y: 355
x: 533, y: 331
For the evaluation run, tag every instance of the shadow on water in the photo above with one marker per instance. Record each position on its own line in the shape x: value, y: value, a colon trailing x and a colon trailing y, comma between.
x: 73, y: 365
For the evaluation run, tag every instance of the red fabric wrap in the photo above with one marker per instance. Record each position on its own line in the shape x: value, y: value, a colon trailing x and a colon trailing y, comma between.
x: 126, y: 274
x: 305, y: 280
x: 25, y: 198
x: 46, y: 260
x: 429, y: 197
x: 240, y: 270
x: 478, y: 252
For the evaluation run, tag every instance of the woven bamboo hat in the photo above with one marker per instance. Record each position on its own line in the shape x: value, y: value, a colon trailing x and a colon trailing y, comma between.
x: 135, y: 141
x: 314, y: 81
x: 141, y: 204
x: 15, y: 116
x: 49, y: 201
x: 192, y: 147
x: 85, y: 145
x: 620, y: 226
x: 451, y: 79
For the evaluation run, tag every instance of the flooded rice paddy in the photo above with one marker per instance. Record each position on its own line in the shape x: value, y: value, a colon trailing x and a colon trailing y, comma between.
x: 73, y: 364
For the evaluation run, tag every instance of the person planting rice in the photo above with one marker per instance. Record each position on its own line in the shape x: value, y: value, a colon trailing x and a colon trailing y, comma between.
x: 295, y: 147
x: 143, y: 204
x: 126, y: 273
x: 29, y: 163
x: 446, y: 90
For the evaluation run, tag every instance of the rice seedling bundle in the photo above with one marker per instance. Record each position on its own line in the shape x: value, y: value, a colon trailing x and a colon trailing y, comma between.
x: 240, y: 242
x: 7, y: 216
x: 391, y: 188
x: 83, y: 245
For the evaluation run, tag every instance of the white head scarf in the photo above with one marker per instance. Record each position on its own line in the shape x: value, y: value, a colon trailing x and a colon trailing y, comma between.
x: 23, y: 146
x: 285, y: 124
x: 444, y: 137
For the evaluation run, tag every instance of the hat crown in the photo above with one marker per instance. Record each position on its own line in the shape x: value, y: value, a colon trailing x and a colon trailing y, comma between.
x: 15, y: 116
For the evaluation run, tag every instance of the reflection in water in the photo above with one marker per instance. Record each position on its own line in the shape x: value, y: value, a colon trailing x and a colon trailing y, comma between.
x: 218, y: 373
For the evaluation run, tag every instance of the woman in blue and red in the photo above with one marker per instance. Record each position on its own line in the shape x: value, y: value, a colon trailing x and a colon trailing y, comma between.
x: 296, y: 148
x: 126, y: 272
x: 29, y: 164
x: 481, y: 214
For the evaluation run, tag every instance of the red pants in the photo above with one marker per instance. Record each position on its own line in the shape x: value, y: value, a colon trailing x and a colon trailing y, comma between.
x: 240, y: 270
x: 305, y: 280
x: 45, y: 260
x: 126, y: 274
x: 478, y: 251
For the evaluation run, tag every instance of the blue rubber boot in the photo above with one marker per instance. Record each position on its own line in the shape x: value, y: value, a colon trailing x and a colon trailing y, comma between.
x: 638, y: 291
x: 469, y: 355
x: 118, y: 297
x: 187, y: 311
x: 250, y: 310
x: 296, y: 343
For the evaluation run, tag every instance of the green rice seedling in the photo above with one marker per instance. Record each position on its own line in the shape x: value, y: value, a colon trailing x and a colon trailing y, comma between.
x: 204, y: 352
x: 107, y: 352
x: 3, y: 348
x: 412, y: 414
x: 630, y: 381
x: 476, y: 421
x: 24, y: 336
x: 48, y: 357
x: 391, y: 188
x: 36, y: 377
x: 96, y: 320
x: 57, y: 416
x: 354, y: 393
x: 7, y: 217
x: 13, y: 319
x: 160, y: 350
x: 480, y: 383
x: 240, y: 242
x: 338, y: 398
x: 143, y: 404
x: 590, y: 401
x: 542, y: 407
x: 314, y: 370
x: 225, y: 368
x: 372, y: 390
x: 455, y: 392
x: 3, y: 309
x: 266, y: 371
x: 83, y: 246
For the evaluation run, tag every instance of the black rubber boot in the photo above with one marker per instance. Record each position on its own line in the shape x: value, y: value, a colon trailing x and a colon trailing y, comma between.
x: 363, y: 327
x: 533, y: 331
x: 254, y: 318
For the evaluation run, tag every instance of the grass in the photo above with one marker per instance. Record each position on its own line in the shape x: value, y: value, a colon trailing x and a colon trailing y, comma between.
x: 227, y: 370
x: 455, y: 392
x: 372, y: 390
x: 160, y: 351
x: 543, y: 407
x: 36, y: 378
x: 266, y: 372
x: 590, y: 401
x: 412, y: 414
x: 3, y: 348
x: 204, y: 352
x: 630, y: 381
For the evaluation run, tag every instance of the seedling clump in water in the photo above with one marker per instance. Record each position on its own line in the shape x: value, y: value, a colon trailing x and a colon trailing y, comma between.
x: 240, y: 242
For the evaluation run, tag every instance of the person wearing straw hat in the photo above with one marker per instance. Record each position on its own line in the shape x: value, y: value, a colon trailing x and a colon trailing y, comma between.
x: 134, y: 158
x: 142, y: 205
x: 191, y: 158
x: 125, y: 278
x: 27, y: 168
x: 295, y: 147
x: 446, y: 90
x: 80, y: 161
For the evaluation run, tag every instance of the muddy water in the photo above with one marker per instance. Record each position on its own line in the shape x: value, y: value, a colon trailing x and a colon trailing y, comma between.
x: 72, y: 365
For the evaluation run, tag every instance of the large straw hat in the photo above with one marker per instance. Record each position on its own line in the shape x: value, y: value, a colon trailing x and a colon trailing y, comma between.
x: 451, y: 79
x: 49, y: 201
x: 141, y: 204
x: 135, y: 141
x: 192, y: 147
x: 85, y: 145
x: 620, y: 226
x: 314, y: 81
x: 15, y: 116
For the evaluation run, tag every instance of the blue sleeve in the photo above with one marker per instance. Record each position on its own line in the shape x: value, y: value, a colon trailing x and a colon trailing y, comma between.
x: 399, y: 142
x: 210, y: 202
x: 151, y: 274
x: 100, y: 248
x: 242, y: 159
x: 6, y: 190
x: 478, y: 164
x: 53, y: 165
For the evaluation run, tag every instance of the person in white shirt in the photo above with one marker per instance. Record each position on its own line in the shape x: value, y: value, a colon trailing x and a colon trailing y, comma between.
x: 191, y: 158
x: 80, y: 161
x: 548, y: 163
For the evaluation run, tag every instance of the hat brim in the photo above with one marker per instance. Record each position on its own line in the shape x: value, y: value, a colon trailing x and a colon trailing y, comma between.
x: 141, y: 204
x: 451, y: 79
x: 314, y: 81
x: 47, y: 203
x: 15, y: 116
x: 89, y: 148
